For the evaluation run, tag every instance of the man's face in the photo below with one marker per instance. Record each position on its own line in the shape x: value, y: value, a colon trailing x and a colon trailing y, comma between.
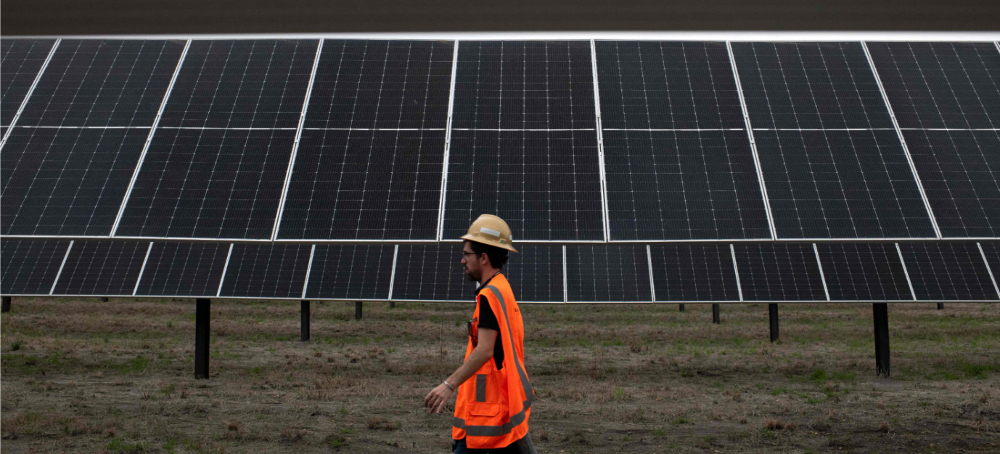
x: 470, y: 261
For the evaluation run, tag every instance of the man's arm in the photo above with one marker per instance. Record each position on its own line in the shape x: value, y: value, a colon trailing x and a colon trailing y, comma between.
x: 439, y: 396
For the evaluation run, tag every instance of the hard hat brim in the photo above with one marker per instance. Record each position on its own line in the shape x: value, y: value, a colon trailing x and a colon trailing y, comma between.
x: 488, y: 242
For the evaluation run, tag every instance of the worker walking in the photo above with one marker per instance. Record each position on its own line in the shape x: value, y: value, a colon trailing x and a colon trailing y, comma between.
x: 492, y: 410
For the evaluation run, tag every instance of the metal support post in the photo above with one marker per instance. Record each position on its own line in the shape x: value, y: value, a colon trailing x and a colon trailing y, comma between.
x: 940, y: 306
x: 772, y: 312
x: 880, y: 312
x: 305, y: 320
x: 392, y: 304
x: 201, y: 332
x: 357, y: 310
x: 715, y: 314
x: 104, y: 299
x: 681, y: 307
x: 6, y: 305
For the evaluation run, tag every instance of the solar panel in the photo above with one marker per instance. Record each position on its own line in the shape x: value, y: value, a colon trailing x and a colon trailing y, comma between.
x: 536, y: 273
x: 863, y: 272
x: 524, y: 85
x: 823, y: 180
x: 22, y: 59
x: 30, y: 267
x: 694, y: 273
x: 102, y: 268
x: 431, y: 273
x: 607, y: 274
x: 66, y: 181
x: 544, y: 184
x: 809, y: 86
x: 940, y: 84
x: 364, y: 184
x: 667, y: 85
x: 350, y: 271
x: 991, y: 250
x: 183, y: 269
x: 381, y: 84
x: 681, y: 185
x: 266, y: 271
x: 779, y: 272
x: 948, y: 271
x: 841, y: 184
x: 209, y: 183
x: 92, y: 82
x: 241, y: 84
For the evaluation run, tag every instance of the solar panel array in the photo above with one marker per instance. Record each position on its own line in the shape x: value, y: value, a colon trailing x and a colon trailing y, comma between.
x: 347, y: 169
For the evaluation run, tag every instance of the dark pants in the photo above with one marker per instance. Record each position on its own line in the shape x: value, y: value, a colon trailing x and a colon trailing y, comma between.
x: 522, y: 446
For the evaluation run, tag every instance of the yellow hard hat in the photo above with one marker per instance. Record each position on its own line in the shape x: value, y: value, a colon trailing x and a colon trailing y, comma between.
x: 491, y: 230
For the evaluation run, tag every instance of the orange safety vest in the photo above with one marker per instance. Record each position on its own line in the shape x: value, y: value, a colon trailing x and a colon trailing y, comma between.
x: 492, y: 409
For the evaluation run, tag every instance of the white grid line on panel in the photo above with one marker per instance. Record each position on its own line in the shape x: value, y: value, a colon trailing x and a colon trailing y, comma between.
x: 778, y: 36
x: 366, y: 129
x: 27, y: 96
x: 219, y: 128
x: 295, y: 147
x: 753, y: 143
x: 902, y: 140
x: 652, y: 287
x: 309, y: 267
x: 988, y: 269
x: 906, y: 273
x: 224, y: 269
x: 56, y: 281
x: 672, y: 129
x: 524, y: 129
x: 447, y: 148
x: 949, y: 129
x: 149, y: 139
x: 82, y: 127
x: 736, y: 269
x: 997, y: 43
x: 600, y: 144
x: 824, y: 129
x: 822, y: 276
x: 565, y: 283
x: 392, y: 275
x: 143, y: 269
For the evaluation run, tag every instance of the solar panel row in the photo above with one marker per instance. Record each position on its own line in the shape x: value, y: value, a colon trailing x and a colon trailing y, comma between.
x: 718, y: 272
x: 566, y: 140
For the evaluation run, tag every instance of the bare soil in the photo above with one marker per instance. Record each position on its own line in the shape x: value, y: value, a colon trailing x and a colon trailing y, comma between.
x: 79, y: 375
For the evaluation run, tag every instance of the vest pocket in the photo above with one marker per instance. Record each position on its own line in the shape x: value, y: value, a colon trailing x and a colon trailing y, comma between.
x: 481, y: 409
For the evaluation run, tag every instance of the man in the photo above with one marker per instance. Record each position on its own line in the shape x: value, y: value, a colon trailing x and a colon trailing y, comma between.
x: 491, y: 412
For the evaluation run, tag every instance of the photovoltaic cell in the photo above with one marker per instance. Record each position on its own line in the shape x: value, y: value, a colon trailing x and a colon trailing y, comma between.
x: 364, y: 184
x: 665, y: 185
x: 183, y: 269
x: 381, y: 84
x: 524, y: 85
x: 694, y: 273
x: 863, y: 272
x: 241, y: 84
x: 94, y: 82
x: 809, y: 86
x: 30, y: 266
x: 535, y: 273
x: 991, y: 250
x: 102, y: 268
x: 349, y: 271
x: 66, y: 181
x: 779, y: 272
x: 948, y: 271
x: 266, y: 270
x: 960, y: 172
x: 22, y: 59
x: 667, y: 85
x: 841, y: 184
x: 607, y: 274
x: 940, y: 84
x: 544, y: 184
x: 209, y: 183
x: 431, y: 273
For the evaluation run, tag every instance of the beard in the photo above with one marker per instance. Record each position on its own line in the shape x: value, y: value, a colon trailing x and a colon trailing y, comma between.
x: 470, y: 276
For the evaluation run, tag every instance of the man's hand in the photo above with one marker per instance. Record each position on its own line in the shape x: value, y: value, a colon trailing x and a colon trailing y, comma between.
x: 437, y: 398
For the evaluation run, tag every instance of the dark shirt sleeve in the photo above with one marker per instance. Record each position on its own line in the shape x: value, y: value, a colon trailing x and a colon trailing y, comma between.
x: 488, y: 320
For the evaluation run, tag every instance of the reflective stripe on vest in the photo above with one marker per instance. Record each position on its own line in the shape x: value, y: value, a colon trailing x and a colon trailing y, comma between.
x: 515, y: 420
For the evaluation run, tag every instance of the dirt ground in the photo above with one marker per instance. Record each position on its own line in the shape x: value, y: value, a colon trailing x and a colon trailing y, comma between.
x: 79, y: 375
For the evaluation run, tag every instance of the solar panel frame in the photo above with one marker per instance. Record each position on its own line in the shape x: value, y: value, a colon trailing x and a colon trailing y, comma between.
x: 39, y: 260
x: 16, y: 87
x: 120, y: 90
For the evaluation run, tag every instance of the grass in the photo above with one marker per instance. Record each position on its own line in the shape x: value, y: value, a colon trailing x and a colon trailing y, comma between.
x: 617, y: 378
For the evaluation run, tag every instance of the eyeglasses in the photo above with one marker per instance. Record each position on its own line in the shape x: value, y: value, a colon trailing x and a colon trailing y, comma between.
x: 467, y: 253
